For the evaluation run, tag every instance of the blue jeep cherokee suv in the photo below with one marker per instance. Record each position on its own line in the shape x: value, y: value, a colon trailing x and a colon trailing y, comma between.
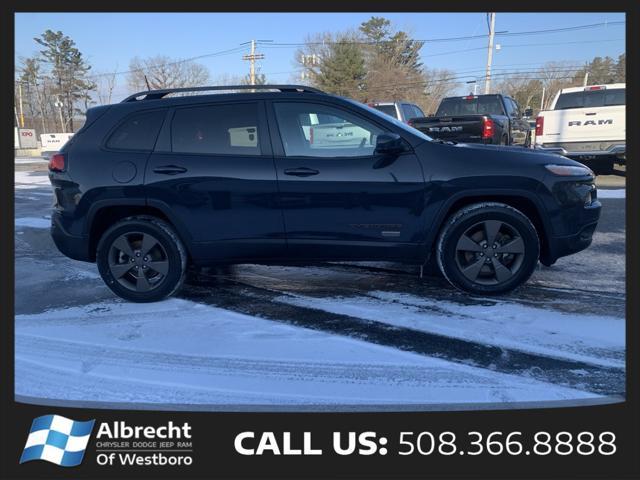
x: 278, y: 174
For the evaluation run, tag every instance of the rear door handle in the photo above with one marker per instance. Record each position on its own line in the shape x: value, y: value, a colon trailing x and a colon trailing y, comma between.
x: 169, y: 170
x: 301, y: 172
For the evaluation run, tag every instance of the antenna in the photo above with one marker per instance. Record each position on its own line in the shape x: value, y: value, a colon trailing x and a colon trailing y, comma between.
x: 147, y: 82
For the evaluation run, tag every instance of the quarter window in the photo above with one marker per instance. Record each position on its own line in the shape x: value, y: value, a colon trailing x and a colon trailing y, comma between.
x: 312, y: 130
x: 137, y: 132
x: 216, y: 130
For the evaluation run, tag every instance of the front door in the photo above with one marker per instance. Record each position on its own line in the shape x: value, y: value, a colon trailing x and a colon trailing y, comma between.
x: 339, y: 199
x: 214, y: 170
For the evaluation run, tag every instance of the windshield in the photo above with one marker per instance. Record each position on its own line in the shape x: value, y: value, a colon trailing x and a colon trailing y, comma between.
x: 388, y: 118
x: 470, y: 105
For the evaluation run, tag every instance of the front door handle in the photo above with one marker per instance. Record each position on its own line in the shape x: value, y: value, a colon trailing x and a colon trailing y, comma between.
x: 301, y: 172
x: 169, y: 170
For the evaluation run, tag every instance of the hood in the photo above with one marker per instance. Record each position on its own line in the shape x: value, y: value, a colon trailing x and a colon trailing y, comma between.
x: 516, y: 154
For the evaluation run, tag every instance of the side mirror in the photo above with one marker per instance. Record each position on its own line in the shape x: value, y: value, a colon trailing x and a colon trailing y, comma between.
x: 389, y: 144
x: 528, y: 112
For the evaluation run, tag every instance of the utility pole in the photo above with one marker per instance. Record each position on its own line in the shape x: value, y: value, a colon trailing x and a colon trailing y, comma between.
x: 59, y: 106
x: 542, y: 99
x: 20, y: 104
x: 492, y: 30
x: 586, y: 79
x: 252, y: 57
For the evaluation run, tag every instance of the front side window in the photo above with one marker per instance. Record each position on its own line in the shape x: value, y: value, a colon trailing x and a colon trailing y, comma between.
x: 216, y: 130
x: 312, y: 130
x: 137, y: 132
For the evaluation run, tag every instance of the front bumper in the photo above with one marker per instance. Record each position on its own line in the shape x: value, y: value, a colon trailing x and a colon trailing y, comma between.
x: 561, y: 246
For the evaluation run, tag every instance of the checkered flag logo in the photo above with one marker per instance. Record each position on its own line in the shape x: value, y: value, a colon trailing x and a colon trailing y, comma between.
x: 57, y: 440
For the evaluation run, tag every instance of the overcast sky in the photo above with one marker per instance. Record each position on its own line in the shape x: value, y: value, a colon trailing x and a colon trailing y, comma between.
x: 110, y: 40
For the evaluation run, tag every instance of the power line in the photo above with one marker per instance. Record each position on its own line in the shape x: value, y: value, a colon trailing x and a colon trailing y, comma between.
x: 451, y: 39
x: 521, y: 45
x: 177, y: 62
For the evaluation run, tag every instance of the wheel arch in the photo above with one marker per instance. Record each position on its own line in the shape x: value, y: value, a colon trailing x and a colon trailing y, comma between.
x: 523, y: 201
x: 104, y: 215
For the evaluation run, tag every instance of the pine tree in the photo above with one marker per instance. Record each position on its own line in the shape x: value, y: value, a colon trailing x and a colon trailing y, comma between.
x: 342, y: 71
x: 69, y: 71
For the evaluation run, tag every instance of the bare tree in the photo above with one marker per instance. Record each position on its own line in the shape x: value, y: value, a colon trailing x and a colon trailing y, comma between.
x: 554, y: 76
x: 164, y: 72
x: 525, y: 90
x: 106, y: 83
x: 438, y: 84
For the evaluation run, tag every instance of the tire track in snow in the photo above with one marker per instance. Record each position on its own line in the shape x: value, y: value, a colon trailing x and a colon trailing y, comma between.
x: 261, y: 302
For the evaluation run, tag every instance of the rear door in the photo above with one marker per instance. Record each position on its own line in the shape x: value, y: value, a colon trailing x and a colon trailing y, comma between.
x: 213, y: 170
x: 337, y: 199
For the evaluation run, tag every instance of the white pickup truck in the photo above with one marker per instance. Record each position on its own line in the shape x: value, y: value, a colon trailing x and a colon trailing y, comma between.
x: 586, y: 124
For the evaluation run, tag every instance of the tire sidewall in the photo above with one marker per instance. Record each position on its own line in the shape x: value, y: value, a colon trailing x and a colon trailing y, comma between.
x: 453, y: 230
x: 175, y: 255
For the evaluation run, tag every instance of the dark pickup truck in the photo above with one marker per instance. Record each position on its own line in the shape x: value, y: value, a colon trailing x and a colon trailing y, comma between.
x: 490, y: 119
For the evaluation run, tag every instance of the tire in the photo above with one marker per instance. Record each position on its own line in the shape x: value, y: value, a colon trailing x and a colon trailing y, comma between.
x: 601, y: 166
x: 472, y: 265
x: 527, y: 140
x: 151, y: 248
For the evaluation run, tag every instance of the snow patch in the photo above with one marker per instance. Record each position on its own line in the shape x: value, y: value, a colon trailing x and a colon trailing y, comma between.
x: 594, y: 339
x: 33, y: 222
x: 612, y: 193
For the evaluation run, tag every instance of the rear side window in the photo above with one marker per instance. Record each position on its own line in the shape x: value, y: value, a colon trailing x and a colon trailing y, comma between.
x: 137, y: 132
x: 216, y: 130
x: 417, y: 112
x: 388, y: 109
x: 408, y: 111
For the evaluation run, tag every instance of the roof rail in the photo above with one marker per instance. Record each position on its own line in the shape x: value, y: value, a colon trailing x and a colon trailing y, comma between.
x: 157, y: 94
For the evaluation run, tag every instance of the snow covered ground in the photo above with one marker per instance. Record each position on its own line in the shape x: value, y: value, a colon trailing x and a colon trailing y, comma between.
x: 184, y: 352
x: 323, y: 337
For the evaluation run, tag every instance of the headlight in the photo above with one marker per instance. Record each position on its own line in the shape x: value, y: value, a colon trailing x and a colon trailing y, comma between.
x: 569, y: 170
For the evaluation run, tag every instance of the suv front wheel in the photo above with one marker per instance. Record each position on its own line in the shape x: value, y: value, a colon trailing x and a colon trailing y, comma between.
x: 141, y: 259
x: 488, y: 248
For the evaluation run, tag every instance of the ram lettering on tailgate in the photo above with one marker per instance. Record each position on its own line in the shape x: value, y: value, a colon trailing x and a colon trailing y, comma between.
x: 578, y: 123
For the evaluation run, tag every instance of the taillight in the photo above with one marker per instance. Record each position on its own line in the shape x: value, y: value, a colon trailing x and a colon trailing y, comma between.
x: 539, y: 126
x: 595, y: 87
x: 487, y: 127
x: 57, y: 163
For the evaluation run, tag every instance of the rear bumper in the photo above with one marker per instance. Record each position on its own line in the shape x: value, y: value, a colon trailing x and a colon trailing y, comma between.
x: 72, y: 246
x: 567, y: 151
x: 561, y: 246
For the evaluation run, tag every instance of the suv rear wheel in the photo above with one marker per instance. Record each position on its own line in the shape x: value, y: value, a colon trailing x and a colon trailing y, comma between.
x: 488, y: 248
x: 141, y: 259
